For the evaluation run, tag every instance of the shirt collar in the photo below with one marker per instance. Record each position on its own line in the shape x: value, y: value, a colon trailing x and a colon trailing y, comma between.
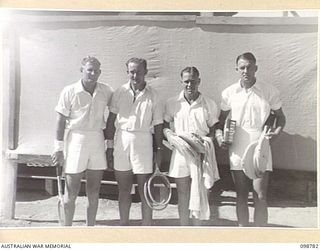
x: 79, y: 87
x: 128, y: 87
x: 181, y: 96
x: 98, y: 88
x: 256, y: 85
x: 198, y: 100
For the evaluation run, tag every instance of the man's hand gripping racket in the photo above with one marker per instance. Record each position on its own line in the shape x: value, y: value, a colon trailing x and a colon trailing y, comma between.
x: 61, y: 213
x: 57, y: 160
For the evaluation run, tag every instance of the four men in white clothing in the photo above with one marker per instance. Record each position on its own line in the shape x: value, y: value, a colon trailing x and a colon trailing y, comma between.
x: 135, y: 123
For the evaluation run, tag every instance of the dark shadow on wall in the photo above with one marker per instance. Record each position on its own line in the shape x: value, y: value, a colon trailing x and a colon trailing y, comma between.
x: 293, y: 181
x: 294, y: 152
x: 289, y: 152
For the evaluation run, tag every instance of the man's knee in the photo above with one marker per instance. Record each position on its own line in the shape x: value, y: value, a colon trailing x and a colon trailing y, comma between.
x: 124, y: 190
x: 93, y: 197
x: 183, y: 196
x: 260, y: 197
x: 184, y: 192
x: 70, y: 199
x: 71, y: 195
x: 242, y: 194
x: 92, y: 190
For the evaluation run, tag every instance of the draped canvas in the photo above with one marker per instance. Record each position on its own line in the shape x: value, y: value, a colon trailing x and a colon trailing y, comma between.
x: 287, y: 58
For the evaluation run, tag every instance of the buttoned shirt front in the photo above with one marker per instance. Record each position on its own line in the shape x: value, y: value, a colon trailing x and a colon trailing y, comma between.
x: 136, y: 112
x: 83, y: 110
x: 250, y: 107
x: 196, y: 117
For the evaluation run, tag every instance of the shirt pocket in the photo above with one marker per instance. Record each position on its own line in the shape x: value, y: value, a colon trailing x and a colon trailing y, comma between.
x: 201, y: 115
x: 79, y: 111
x: 146, y: 113
x: 100, y: 108
x: 200, y: 121
x: 181, y: 120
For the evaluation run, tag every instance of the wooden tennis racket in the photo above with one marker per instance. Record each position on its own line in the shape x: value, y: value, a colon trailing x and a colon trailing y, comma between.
x: 157, y: 190
x: 61, y: 212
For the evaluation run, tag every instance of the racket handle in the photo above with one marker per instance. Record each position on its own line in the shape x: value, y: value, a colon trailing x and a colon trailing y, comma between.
x: 157, y: 169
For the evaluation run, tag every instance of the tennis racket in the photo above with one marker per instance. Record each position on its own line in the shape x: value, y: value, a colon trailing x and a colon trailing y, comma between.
x: 157, y: 190
x: 61, y: 213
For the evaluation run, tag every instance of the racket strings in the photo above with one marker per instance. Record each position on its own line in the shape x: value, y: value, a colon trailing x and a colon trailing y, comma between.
x: 157, y: 191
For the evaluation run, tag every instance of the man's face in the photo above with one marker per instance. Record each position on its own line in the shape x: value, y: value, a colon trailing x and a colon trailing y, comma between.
x: 90, y: 72
x: 247, y: 70
x: 190, y: 82
x: 136, y: 73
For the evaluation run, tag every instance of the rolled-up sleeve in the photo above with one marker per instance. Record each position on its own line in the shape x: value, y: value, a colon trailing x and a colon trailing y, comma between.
x: 157, y: 112
x: 225, y: 102
x: 167, y: 114
x: 213, y: 113
x: 64, y: 104
x: 114, y: 103
x: 109, y: 93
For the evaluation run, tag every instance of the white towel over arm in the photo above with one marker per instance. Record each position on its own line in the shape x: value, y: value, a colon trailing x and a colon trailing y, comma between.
x: 203, y: 176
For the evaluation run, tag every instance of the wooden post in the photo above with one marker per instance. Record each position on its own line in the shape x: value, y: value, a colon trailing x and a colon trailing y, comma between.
x: 8, y: 175
x: 10, y: 116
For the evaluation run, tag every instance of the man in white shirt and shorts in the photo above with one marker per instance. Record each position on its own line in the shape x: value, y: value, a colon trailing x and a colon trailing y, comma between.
x: 188, y: 112
x: 249, y: 102
x: 135, y: 113
x: 81, y: 150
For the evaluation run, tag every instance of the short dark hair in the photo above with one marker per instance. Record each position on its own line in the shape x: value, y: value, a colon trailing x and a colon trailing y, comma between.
x: 248, y: 56
x: 192, y: 70
x: 136, y: 60
x: 90, y: 59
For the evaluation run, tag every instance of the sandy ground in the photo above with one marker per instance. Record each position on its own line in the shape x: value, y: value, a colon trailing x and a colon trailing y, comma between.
x: 40, y: 210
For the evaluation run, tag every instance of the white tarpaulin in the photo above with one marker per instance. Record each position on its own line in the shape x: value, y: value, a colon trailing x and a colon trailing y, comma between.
x: 286, y: 56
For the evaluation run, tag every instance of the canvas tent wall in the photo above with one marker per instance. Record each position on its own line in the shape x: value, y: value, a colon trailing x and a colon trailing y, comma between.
x: 44, y: 52
x: 49, y: 54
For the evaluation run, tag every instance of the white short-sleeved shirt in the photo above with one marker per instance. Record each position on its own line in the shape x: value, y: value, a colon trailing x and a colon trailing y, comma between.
x: 197, y: 118
x: 139, y: 114
x: 83, y: 111
x: 250, y: 109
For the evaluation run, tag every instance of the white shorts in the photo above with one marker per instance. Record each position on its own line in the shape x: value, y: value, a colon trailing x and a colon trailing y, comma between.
x: 133, y: 151
x: 242, y: 138
x: 85, y: 150
x: 178, y: 165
